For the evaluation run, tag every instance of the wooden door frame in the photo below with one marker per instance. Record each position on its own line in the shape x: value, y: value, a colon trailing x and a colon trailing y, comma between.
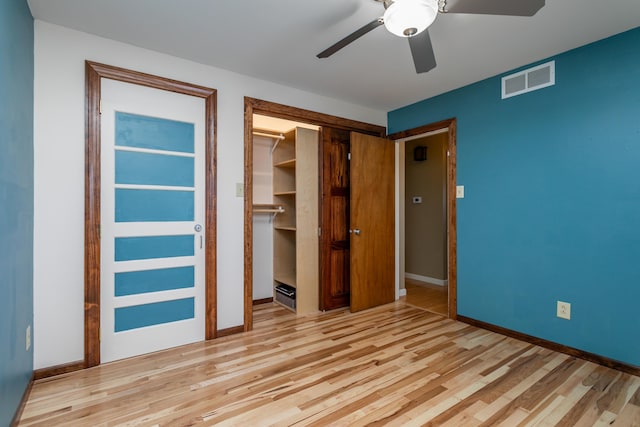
x: 452, y: 247
x: 266, y: 108
x: 94, y: 72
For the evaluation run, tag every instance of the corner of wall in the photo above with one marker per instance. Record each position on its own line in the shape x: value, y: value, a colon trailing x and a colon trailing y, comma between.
x: 16, y: 199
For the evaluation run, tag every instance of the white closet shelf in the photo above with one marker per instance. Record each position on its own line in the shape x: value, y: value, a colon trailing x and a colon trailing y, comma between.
x: 291, y: 163
x: 268, y: 209
x: 288, y: 278
x: 285, y: 193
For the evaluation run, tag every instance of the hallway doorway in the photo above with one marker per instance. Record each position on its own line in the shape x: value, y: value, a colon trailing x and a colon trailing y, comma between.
x: 427, y: 209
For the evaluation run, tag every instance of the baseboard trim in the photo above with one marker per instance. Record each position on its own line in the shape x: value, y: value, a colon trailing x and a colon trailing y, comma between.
x: 52, y: 371
x: 23, y: 403
x: 426, y: 279
x: 262, y: 301
x: 591, y: 357
x: 229, y: 331
x: 402, y: 292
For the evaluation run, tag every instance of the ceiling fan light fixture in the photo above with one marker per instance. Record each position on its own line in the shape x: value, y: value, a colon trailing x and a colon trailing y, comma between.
x: 407, y: 18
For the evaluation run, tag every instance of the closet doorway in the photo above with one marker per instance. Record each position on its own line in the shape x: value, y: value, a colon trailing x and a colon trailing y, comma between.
x: 302, y: 119
x: 285, y: 212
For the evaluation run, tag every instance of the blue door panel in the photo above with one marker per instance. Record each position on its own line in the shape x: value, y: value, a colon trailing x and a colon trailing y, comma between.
x: 162, y: 279
x: 153, y: 205
x: 149, y: 247
x: 140, y: 316
x: 133, y: 130
x: 153, y: 169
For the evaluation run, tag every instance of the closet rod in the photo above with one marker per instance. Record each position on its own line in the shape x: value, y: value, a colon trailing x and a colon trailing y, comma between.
x: 281, y: 136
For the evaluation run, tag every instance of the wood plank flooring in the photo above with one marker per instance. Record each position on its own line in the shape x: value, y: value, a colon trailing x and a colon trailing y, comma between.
x: 391, y: 365
x: 428, y: 296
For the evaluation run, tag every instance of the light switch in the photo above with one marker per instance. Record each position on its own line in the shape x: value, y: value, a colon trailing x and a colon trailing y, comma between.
x: 459, y: 191
x: 239, y: 189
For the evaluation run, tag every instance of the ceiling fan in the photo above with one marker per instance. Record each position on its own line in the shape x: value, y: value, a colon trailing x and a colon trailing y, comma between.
x: 411, y: 18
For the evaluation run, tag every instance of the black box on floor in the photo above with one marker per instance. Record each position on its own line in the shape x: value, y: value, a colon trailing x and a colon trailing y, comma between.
x: 286, y: 295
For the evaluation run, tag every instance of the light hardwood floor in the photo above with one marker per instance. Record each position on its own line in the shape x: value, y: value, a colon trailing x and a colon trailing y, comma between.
x: 392, y: 365
x: 425, y: 295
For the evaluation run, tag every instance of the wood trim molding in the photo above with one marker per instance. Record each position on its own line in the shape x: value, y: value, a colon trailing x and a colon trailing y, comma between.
x: 248, y: 215
x: 452, y: 233
x: 92, y: 218
x: 452, y: 214
x: 257, y: 106
x: 52, y: 371
x: 282, y: 111
x: 94, y: 72
x: 230, y: 331
x: 431, y: 127
x: 23, y: 403
x: 591, y: 357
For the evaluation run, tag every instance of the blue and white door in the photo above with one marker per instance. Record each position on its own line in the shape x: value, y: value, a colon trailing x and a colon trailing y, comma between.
x: 152, y: 217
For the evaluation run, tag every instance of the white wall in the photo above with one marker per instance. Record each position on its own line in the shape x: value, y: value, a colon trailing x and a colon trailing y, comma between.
x: 262, y: 223
x: 59, y: 174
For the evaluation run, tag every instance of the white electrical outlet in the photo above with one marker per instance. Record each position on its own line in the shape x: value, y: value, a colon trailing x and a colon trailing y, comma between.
x: 28, y: 337
x: 459, y: 191
x: 564, y: 310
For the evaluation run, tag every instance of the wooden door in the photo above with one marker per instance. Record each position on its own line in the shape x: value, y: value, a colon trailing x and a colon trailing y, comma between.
x: 372, y: 205
x: 334, y: 219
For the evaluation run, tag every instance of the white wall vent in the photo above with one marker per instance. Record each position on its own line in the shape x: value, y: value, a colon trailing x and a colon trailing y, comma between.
x: 528, y: 80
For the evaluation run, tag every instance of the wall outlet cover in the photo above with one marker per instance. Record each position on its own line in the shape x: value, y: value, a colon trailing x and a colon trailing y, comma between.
x: 459, y: 191
x: 564, y: 310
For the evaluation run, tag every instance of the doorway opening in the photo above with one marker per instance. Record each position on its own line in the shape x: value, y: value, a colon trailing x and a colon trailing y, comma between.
x: 427, y: 212
x: 285, y: 177
x: 304, y: 118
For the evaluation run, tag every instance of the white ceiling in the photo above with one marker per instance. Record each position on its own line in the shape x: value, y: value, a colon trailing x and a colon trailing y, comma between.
x: 277, y: 40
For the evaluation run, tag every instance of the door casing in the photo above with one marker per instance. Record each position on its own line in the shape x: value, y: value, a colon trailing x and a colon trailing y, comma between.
x: 94, y: 72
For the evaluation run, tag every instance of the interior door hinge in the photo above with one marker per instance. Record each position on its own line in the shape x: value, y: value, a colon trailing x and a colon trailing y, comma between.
x: 319, y: 231
x: 448, y: 153
x: 348, y: 156
x: 100, y: 106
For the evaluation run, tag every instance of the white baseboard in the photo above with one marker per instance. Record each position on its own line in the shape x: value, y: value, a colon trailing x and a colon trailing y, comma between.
x: 426, y: 279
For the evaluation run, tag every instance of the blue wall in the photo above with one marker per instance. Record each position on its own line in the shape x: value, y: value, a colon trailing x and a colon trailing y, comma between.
x: 16, y: 202
x: 552, y: 199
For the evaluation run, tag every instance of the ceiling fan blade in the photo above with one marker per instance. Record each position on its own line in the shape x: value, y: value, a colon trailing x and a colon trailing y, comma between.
x: 350, y: 38
x: 423, y: 57
x: 495, y: 7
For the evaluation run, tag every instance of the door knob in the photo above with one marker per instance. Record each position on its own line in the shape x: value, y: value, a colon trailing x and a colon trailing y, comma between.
x: 356, y: 231
x: 198, y: 228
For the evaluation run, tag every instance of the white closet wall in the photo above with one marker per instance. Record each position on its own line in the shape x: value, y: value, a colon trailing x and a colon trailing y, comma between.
x: 262, y: 226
